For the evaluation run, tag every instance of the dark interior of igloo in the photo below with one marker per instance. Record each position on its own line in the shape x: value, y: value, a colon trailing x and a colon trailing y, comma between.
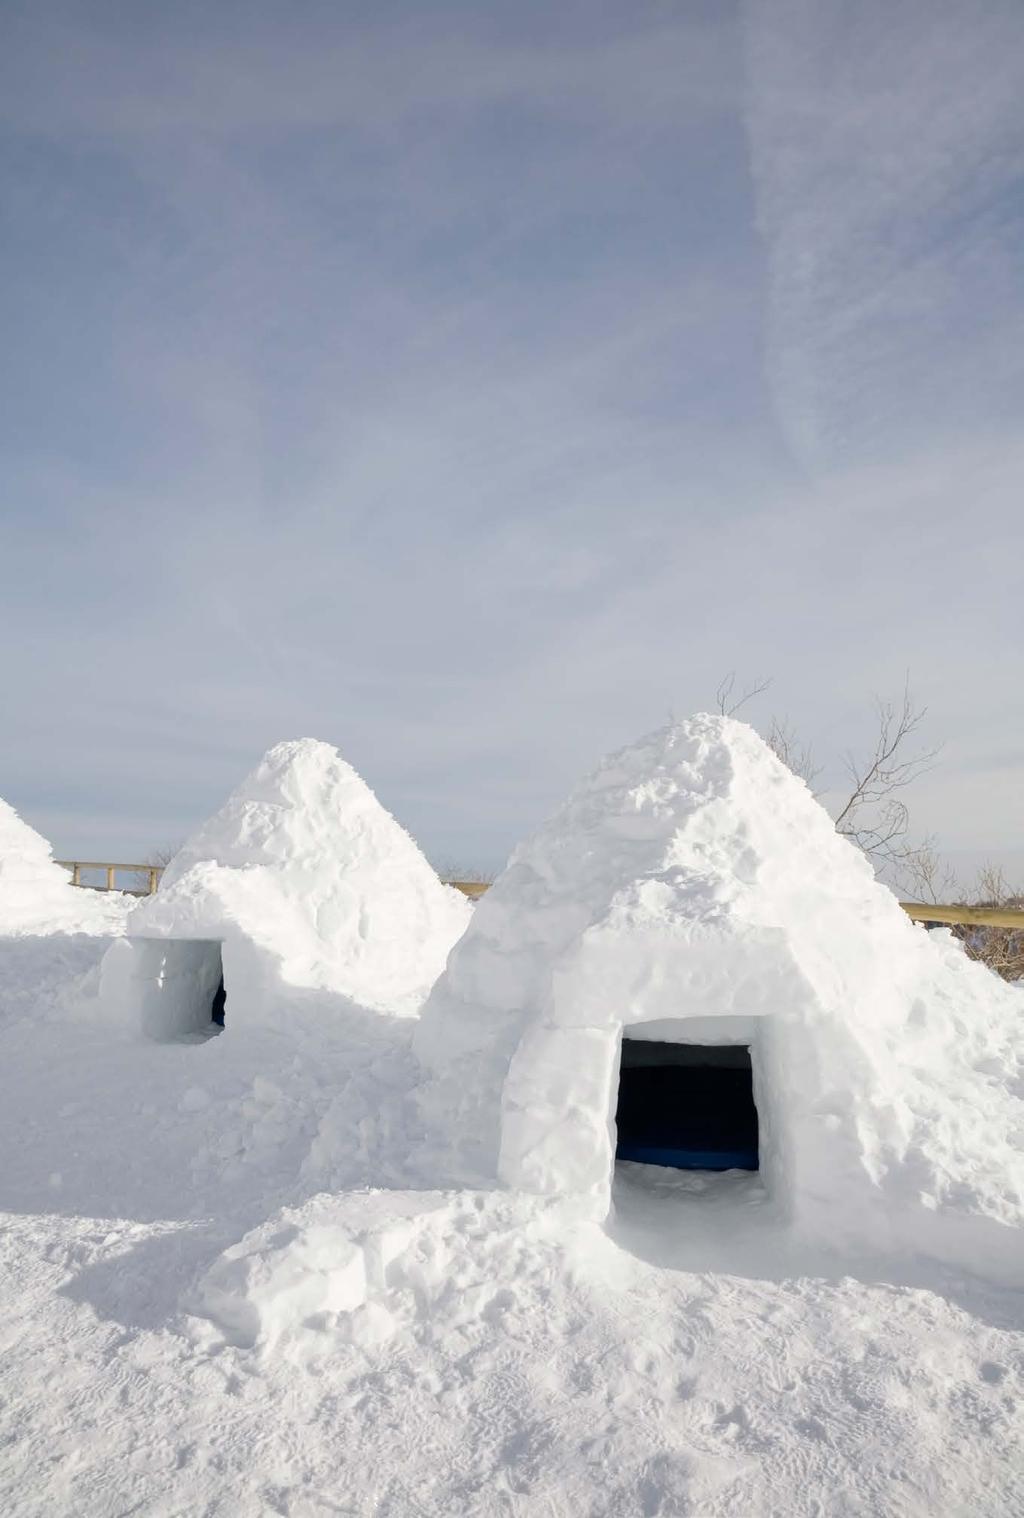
x: 219, y: 1004
x: 687, y: 1106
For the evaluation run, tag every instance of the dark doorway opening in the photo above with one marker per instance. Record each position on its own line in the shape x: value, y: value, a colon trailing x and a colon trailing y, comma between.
x: 219, y: 1003
x: 690, y: 1106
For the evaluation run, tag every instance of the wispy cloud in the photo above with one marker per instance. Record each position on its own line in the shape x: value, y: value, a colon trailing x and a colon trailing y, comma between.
x: 402, y: 379
x: 887, y: 146
x: 196, y: 70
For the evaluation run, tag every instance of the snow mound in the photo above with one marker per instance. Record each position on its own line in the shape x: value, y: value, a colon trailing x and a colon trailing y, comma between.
x: 36, y: 894
x: 693, y: 891
x: 309, y: 1265
x: 304, y: 880
x: 361, y: 1266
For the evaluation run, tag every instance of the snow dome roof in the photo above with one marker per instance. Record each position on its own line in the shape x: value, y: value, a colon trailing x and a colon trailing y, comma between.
x: 693, y: 880
x: 36, y: 895
x: 303, y: 861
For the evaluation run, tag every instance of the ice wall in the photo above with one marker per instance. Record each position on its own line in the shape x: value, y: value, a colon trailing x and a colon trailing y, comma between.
x: 36, y: 895
x: 307, y: 881
x: 693, y: 878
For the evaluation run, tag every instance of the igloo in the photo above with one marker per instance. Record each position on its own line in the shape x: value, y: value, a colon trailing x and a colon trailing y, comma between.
x: 36, y: 894
x: 692, y: 913
x: 301, y: 880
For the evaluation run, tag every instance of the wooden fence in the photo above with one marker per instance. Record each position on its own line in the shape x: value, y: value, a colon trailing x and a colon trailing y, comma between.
x: 152, y: 873
x: 921, y: 911
x: 986, y: 917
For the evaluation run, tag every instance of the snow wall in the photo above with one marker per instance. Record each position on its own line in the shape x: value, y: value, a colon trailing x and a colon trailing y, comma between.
x: 36, y: 895
x: 302, y: 879
x: 692, y: 890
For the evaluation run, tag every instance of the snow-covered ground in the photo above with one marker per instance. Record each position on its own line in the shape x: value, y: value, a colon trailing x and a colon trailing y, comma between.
x: 274, y: 1269
x: 466, y: 1352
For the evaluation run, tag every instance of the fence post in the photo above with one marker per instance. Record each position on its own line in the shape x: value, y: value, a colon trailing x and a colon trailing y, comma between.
x: 152, y: 880
x: 110, y: 878
x: 76, y: 874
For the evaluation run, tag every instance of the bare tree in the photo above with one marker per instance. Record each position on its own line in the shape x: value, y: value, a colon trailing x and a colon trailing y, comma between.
x: 162, y: 857
x: 159, y: 858
x: 1002, y: 949
x: 930, y: 879
x: 874, y: 815
x: 795, y: 755
x: 992, y: 889
x: 724, y: 694
x: 448, y: 870
x: 926, y: 876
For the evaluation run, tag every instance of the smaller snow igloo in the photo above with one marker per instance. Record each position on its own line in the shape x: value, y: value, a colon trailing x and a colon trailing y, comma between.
x: 175, y: 986
x: 692, y: 896
x: 303, y: 880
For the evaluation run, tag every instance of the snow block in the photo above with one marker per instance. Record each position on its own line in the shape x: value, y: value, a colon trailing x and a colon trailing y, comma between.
x: 265, y: 1286
x: 310, y: 1267
x: 692, y: 891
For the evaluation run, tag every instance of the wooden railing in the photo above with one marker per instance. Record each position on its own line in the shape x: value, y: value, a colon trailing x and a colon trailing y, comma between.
x: 987, y: 917
x: 152, y: 873
x: 921, y: 911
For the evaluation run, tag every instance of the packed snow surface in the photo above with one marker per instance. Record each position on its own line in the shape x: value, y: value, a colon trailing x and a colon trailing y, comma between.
x: 306, y: 881
x: 692, y: 890
x: 239, y: 1276
x: 36, y: 894
x: 208, y: 1305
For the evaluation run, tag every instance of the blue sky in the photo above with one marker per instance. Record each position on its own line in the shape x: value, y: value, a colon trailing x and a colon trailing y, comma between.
x: 473, y: 386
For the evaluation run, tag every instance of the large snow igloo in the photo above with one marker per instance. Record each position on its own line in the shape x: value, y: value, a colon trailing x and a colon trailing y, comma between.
x: 689, y: 944
x: 301, y: 880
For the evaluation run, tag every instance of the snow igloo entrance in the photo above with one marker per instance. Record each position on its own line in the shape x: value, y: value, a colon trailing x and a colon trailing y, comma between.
x: 686, y: 1105
x: 180, y: 986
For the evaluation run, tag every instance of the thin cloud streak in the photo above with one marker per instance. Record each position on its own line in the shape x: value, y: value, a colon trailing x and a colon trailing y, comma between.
x: 887, y: 149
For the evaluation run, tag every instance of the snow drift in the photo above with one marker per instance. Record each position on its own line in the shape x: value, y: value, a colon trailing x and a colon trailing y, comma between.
x: 36, y: 894
x: 693, y: 891
x: 333, y: 1256
x: 301, y: 880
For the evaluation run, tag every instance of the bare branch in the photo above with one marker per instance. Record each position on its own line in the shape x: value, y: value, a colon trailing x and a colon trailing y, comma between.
x: 992, y: 889
x: 1001, y: 949
x: 795, y: 755
x: 873, y: 817
x: 163, y: 856
x: 925, y: 876
x: 450, y: 869
x: 723, y: 696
